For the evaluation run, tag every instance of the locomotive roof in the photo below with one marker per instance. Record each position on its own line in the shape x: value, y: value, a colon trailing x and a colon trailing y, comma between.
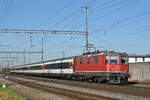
x: 107, y: 52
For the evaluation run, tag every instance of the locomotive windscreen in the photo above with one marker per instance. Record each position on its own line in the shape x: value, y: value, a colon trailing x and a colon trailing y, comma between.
x: 124, y: 60
x: 112, y: 59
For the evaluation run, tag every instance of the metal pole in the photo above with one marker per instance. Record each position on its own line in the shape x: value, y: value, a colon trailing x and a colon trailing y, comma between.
x: 63, y: 54
x: 42, y: 54
x: 24, y: 57
x: 86, y: 29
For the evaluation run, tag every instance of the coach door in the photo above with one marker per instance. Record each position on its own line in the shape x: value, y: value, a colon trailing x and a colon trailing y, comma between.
x: 74, y: 63
x: 112, y: 63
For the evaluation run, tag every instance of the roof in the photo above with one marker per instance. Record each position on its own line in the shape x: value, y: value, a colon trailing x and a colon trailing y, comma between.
x: 134, y: 55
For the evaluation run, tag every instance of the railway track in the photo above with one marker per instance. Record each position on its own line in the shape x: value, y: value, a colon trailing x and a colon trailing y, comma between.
x: 74, y: 95
x: 133, y: 91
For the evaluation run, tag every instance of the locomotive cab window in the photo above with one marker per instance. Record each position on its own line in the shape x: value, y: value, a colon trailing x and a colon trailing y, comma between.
x: 96, y: 60
x: 124, y: 60
x: 88, y: 60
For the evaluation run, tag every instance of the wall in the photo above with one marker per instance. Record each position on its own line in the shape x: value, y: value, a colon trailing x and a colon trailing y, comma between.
x: 139, y: 71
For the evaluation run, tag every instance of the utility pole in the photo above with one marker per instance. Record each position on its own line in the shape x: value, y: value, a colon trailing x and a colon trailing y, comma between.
x: 86, y: 28
x: 42, y: 53
x: 63, y: 54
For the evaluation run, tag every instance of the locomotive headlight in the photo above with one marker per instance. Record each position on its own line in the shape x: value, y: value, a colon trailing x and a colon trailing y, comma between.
x: 126, y: 71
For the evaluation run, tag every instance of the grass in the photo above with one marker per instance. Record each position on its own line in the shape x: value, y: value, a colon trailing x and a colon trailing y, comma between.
x: 7, y: 94
x: 145, y: 85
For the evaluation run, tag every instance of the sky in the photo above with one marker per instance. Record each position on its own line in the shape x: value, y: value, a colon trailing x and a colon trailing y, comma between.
x: 120, y: 25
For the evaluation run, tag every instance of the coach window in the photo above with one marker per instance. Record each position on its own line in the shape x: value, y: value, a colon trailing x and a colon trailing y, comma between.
x: 88, y: 60
x: 135, y: 59
x: 96, y: 60
x: 143, y: 59
x: 81, y: 60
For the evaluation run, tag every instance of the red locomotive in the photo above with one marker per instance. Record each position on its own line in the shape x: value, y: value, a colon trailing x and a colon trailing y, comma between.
x: 109, y: 67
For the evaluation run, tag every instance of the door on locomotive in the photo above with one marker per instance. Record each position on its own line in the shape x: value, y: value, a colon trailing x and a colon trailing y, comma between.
x: 116, y: 63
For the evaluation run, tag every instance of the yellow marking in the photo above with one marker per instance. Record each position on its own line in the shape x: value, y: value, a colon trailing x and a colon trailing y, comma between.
x: 70, y: 61
x: 42, y: 65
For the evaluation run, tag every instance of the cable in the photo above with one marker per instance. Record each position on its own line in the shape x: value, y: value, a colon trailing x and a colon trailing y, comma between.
x: 9, y: 7
x: 92, y: 1
x: 95, y: 7
x: 137, y: 21
x: 124, y: 35
x: 103, y: 4
x: 6, y: 11
x: 78, y: 18
x: 128, y: 34
x: 66, y: 18
x: 122, y: 21
x: 58, y: 12
x: 112, y: 5
x: 115, y: 10
x: 115, y: 4
x: 70, y: 15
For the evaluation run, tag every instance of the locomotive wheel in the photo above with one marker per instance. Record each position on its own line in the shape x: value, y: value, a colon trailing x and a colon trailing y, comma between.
x: 95, y: 79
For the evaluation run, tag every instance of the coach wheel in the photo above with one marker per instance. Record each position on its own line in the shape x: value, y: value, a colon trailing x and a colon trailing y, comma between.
x: 95, y: 79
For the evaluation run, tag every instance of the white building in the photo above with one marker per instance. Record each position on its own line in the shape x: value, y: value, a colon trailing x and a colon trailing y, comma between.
x: 138, y: 58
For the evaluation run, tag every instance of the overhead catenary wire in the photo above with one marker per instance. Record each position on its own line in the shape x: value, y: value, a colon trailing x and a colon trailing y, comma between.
x: 122, y: 21
x: 130, y: 23
x: 112, y: 5
x: 125, y: 35
x: 70, y: 15
x: 112, y: 11
x: 115, y: 10
x: 77, y: 18
x: 92, y: 1
x: 57, y: 12
x: 119, y: 36
x: 103, y: 4
x: 6, y: 11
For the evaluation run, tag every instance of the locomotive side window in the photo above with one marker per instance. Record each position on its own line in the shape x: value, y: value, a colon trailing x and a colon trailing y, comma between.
x: 124, y: 60
x: 96, y: 60
x: 88, y: 60
x: 81, y: 60
x: 113, y: 59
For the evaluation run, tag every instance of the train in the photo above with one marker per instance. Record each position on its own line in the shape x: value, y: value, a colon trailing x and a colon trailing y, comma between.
x: 100, y: 67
